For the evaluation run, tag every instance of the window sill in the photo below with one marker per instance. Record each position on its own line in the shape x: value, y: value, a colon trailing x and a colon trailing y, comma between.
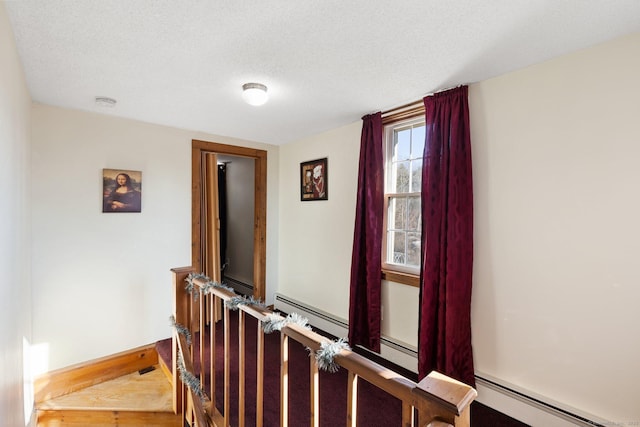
x: 402, y: 278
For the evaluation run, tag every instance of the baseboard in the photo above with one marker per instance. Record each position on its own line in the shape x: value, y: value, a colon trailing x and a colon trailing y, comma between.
x: 522, y: 405
x: 105, y: 417
x: 72, y: 378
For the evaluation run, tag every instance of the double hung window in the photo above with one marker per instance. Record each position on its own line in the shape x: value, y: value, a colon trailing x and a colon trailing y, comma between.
x: 404, y: 146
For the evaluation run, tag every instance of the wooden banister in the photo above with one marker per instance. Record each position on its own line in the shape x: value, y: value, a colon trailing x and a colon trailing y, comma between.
x: 436, y: 401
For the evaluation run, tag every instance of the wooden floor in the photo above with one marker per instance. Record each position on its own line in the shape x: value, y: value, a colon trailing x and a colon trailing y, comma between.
x: 131, y: 400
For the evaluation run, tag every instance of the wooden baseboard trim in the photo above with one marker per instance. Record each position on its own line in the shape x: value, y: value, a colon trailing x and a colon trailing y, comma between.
x: 48, y: 418
x: 72, y: 378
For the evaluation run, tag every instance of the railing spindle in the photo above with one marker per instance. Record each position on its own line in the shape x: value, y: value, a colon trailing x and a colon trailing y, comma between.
x: 315, y: 393
x: 227, y: 368
x: 241, y: 367
x: 198, y: 415
x: 284, y: 380
x: 352, y: 399
x: 407, y: 415
x: 212, y: 349
x: 201, y: 340
x: 260, y: 377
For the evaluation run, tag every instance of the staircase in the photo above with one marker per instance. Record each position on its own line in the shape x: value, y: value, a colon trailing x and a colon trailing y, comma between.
x: 127, y: 389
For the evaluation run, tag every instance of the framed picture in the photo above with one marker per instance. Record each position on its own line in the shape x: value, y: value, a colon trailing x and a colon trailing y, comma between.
x: 121, y: 190
x: 314, y: 180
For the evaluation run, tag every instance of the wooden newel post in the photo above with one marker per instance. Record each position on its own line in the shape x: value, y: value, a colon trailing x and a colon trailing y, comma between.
x: 181, y: 305
x: 445, y: 400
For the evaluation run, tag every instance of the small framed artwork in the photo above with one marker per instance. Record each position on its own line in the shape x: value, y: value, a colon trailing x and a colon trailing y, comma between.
x: 314, y: 180
x: 121, y: 190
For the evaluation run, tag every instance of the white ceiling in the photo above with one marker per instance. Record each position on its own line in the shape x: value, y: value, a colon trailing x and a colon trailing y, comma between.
x: 326, y: 62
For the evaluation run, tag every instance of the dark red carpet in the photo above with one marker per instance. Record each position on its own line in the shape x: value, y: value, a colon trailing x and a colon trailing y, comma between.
x: 375, y: 407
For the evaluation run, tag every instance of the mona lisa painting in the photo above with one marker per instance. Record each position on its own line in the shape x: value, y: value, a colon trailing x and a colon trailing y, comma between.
x: 121, y: 190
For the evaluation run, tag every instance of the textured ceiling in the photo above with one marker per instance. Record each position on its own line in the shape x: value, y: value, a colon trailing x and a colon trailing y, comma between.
x: 326, y: 62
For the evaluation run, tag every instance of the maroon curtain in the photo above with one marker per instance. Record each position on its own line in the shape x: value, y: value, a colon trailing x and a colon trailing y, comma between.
x: 364, y: 296
x: 444, y: 337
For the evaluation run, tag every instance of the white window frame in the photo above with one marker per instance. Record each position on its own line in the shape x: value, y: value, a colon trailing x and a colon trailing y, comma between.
x: 396, y: 272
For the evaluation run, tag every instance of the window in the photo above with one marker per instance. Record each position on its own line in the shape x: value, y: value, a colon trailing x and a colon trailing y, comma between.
x: 404, y: 145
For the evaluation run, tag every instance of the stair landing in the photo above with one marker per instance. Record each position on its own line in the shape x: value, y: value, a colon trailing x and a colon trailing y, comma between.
x: 130, y: 400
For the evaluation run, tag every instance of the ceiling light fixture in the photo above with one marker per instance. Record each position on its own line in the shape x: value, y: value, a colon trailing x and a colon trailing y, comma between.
x: 254, y: 93
x: 103, y: 101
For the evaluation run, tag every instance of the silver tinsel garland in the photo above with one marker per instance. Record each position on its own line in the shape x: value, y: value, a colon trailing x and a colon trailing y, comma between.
x: 189, y: 379
x: 325, y: 356
x: 189, y: 282
x: 209, y: 284
x: 235, y: 302
x: 181, y: 329
x: 274, y: 322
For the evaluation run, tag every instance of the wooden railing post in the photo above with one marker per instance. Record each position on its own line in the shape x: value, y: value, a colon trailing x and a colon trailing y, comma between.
x: 181, y: 313
x: 444, y: 399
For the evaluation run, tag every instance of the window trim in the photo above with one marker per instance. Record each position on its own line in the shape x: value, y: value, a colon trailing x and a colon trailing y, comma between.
x: 409, y: 279
x: 391, y: 272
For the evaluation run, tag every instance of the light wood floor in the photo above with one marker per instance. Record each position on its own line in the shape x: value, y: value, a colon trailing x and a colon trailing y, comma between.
x: 131, y: 400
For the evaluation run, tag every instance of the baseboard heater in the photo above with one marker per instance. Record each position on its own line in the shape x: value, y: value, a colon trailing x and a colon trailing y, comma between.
x: 492, y: 392
x: 238, y: 285
x: 395, y: 351
x: 526, y: 407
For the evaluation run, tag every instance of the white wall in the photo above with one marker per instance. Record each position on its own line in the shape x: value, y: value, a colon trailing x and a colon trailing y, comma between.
x: 556, y: 173
x: 557, y: 240
x: 101, y: 281
x: 15, y: 287
x: 316, y: 238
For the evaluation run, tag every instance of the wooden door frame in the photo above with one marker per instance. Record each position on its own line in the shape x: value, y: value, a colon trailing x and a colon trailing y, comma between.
x: 260, y: 215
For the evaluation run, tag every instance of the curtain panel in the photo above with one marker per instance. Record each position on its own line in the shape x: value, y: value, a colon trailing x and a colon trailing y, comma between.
x: 444, y: 334
x: 365, y: 286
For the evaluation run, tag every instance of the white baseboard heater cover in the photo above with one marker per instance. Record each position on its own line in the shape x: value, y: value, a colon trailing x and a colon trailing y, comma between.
x: 397, y: 352
x: 492, y: 392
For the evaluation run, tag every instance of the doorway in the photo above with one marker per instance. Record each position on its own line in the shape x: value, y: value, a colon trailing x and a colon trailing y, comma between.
x: 205, y: 237
x: 236, y: 209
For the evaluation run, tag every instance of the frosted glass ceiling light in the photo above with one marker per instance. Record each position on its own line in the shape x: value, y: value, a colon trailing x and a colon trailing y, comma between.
x: 254, y: 93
